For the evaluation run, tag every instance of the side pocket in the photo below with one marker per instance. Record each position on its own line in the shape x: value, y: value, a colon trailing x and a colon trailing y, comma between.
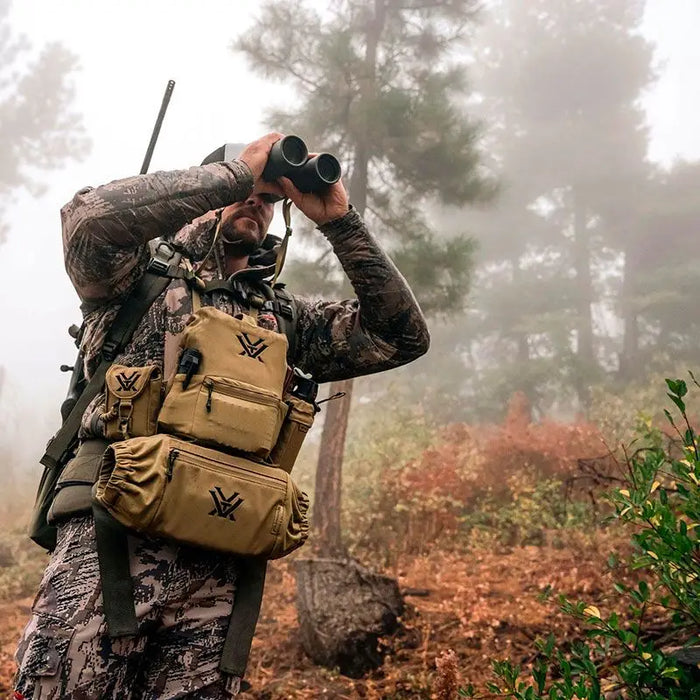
x: 73, y: 491
x: 295, y: 530
x: 296, y: 426
x: 133, y: 401
x: 39, y: 529
x: 41, y: 653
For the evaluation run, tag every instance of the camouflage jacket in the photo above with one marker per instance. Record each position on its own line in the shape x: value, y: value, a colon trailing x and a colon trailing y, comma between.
x: 105, y: 235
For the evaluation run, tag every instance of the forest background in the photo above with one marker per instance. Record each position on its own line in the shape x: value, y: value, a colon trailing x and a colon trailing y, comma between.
x: 511, y: 159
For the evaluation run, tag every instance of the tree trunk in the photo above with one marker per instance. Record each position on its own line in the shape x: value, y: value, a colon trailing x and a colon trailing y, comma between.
x: 344, y: 612
x: 326, y: 513
x: 584, y: 299
x: 629, y: 368
x: 327, y: 500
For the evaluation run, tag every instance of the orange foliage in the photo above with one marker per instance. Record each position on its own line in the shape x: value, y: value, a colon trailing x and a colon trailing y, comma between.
x: 471, y: 462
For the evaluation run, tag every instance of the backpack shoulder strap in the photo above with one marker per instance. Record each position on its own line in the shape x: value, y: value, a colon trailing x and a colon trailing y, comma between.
x: 147, y: 290
x: 281, y: 303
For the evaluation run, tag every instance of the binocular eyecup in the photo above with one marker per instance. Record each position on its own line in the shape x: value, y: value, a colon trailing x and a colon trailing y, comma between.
x: 289, y: 157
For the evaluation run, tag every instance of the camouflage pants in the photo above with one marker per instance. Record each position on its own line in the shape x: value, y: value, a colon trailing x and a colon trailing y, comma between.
x: 183, y: 599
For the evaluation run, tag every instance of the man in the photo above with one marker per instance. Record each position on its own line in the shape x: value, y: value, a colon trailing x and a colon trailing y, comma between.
x: 218, y: 215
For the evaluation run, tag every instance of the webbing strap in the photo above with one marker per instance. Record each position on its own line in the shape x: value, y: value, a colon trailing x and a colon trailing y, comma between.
x: 282, y: 253
x: 115, y: 575
x: 149, y: 288
x: 196, y: 301
x: 250, y: 582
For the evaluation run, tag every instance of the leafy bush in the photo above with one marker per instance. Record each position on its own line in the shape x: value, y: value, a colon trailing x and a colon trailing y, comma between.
x: 616, y: 410
x: 410, y: 486
x: 536, y: 509
x: 383, y: 439
x: 661, y: 500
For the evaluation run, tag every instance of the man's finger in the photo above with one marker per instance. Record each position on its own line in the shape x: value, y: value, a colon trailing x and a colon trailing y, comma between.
x: 289, y: 189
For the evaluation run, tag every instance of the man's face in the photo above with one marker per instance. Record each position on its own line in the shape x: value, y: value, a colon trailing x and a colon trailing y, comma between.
x: 244, y: 224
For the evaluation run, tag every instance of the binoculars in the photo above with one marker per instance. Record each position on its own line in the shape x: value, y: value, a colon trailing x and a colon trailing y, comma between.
x: 289, y: 157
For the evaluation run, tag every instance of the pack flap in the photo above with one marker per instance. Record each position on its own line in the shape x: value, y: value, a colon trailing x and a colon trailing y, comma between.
x: 129, y: 382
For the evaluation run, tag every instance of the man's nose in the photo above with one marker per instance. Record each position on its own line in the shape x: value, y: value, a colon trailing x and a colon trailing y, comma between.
x: 255, y: 200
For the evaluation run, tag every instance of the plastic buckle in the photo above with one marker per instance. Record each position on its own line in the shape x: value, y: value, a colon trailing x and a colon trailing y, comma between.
x: 109, y: 350
x: 287, y: 311
x: 157, y: 267
x: 160, y: 262
x: 240, y: 291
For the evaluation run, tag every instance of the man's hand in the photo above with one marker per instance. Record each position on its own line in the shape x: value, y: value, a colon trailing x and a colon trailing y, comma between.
x: 255, y: 154
x: 320, y: 208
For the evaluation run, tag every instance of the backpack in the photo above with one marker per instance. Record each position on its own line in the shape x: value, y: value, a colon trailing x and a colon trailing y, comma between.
x: 162, y: 268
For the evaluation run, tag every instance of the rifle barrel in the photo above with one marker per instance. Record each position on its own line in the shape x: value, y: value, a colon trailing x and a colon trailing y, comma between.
x: 156, y: 128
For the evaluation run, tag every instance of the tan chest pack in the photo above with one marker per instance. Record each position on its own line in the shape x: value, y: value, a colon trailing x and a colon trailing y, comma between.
x: 211, y: 467
x: 235, y: 400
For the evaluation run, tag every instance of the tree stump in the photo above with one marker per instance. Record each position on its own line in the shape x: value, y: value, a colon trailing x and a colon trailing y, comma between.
x: 343, y: 610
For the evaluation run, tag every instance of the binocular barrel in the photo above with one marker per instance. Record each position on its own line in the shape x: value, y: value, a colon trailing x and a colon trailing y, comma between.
x: 289, y: 157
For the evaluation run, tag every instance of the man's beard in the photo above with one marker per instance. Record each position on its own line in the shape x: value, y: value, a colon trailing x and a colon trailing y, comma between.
x: 240, y: 248
x: 238, y: 243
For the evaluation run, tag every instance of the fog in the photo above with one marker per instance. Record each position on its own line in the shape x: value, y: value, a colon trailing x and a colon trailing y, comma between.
x: 126, y: 52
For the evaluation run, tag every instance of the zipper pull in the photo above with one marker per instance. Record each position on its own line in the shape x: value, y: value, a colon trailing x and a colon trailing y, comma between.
x: 172, y: 456
x: 210, y: 388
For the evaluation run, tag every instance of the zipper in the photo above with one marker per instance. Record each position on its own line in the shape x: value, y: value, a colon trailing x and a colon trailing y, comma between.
x: 172, y: 456
x: 192, y: 459
x: 236, y: 391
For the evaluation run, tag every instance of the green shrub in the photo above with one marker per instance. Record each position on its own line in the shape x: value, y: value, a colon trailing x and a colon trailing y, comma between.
x: 661, y: 500
x: 616, y: 410
x: 382, y: 440
x: 537, y: 510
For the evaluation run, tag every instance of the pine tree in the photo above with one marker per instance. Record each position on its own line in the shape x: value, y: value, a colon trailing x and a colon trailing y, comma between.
x: 561, y: 83
x: 38, y: 129
x: 380, y: 83
x: 658, y: 300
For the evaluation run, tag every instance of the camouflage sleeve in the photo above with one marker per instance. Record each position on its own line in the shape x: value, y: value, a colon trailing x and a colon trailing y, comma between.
x: 383, y: 328
x: 105, y: 229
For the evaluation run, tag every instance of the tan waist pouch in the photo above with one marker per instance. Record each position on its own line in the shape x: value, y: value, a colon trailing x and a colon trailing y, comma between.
x: 171, y: 488
x: 133, y: 400
x: 296, y: 425
x: 235, y: 398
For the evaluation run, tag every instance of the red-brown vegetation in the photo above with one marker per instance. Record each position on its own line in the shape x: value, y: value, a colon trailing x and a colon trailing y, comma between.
x: 430, y: 498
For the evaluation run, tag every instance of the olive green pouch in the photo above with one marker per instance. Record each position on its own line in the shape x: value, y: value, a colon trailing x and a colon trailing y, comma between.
x: 235, y: 399
x: 167, y: 487
x: 296, y: 425
x: 73, y: 491
x: 133, y: 397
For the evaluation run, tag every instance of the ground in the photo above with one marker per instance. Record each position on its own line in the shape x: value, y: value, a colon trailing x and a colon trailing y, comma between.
x: 483, y: 605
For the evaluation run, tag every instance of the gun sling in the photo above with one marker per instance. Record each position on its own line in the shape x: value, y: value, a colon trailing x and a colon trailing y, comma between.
x: 149, y: 288
x: 128, y: 317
